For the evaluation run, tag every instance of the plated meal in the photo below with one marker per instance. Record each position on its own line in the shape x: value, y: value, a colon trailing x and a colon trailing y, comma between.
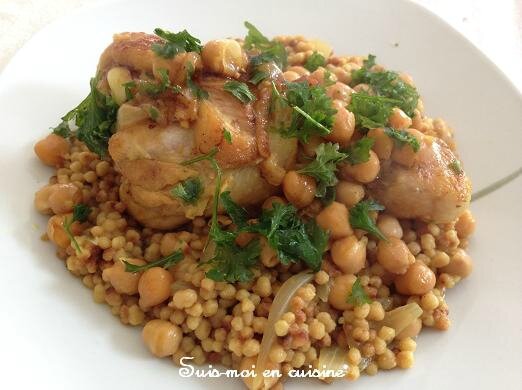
x: 260, y: 204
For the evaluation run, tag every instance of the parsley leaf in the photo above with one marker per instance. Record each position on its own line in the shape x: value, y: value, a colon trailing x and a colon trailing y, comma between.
x: 314, y: 61
x: 258, y: 76
x: 153, y: 113
x: 358, y: 297
x: 402, y: 137
x: 324, y: 166
x: 175, y: 43
x: 188, y: 190
x: 387, y: 84
x: 227, y: 136
x: 128, y: 86
x: 94, y: 118
x: 360, y: 217
x: 165, y: 262
x: 62, y: 130
x: 240, y: 91
x: 371, y: 111
x: 359, y: 152
x: 237, y: 213
x: 291, y: 237
x: 271, y: 50
x: 154, y: 89
x: 80, y: 214
x: 232, y: 263
x: 456, y: 167
x: 195, y: 89
x: 312, y: 113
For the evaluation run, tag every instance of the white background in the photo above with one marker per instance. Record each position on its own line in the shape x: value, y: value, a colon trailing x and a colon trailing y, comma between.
x: 495, y: 26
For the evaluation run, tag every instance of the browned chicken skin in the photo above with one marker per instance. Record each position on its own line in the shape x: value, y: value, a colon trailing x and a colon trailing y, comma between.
x: 149, y: 153
x: 429, y: 189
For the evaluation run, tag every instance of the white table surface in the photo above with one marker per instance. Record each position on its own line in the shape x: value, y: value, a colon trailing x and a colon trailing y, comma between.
x: 493, y: 26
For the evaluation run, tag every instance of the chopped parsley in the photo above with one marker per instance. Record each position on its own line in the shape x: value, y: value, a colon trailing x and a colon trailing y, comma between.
x: 94, y: 118
x: 198, y: 92
x: 175, y: 43
x: 154, y: 89
x: 269, y: 50
x: 128, y: 87
x: 402, y: 137
x: 258, y: 76
x: 388, y: 84
x: 153, y: 113
x: 456, y: 167
x: 227, y: 135
x: 188, y: 190
x: 293, y: 239
x: 358, y: 297
x: 312, y: 111
x: 314, y: 61
x: 360, y: 217
x: 324, y: 166
x: 371, y: 111
x: 80, y: 214
x: 165, y: 262
x: 231, y: 262
x: 240, y: 91
x: 359, y: 152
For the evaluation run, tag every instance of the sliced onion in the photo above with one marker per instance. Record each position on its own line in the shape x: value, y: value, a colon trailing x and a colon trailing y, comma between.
x: 401, y: 317
x: 332, y: 358
x: 323, y: 290
x: 279, y: 307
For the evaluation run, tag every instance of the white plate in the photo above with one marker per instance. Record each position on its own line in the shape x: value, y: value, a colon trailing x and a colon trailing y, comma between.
x: 54, y: 336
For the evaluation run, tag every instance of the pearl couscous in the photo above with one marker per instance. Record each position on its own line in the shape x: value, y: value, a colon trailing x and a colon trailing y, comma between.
x: 259, y: 202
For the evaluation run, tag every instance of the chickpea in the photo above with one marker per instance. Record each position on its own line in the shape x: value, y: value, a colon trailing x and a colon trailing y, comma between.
x: 349, y: 193
x: 57, y: 198
x: 318, y: 76
x: 341, y: 288
x: 343, y: 126
x: 268, y: 203
x: 300, y: 70
x: 404, y: 154
x: 398, y: 119
x: 64, y: 197
x: 394, y: 255
x: 340, y: 91
x: 418, y: 280
x: 52, y: 150
x: 123, y: 282
x: 365, y: 172
x: 412, y: 330
x: 383, y: 145
x: 299, y: 189
x: 56, y: 232
x: 311, y: 146
x: 154, y: 286
x: 290, y: 75
x: 465, y: 225
x: 334, y: 218
x: 162, y: 337
x: 389, y: 226
x: 460, y: 264
x: 224, y: 56
x: 349, y: 254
